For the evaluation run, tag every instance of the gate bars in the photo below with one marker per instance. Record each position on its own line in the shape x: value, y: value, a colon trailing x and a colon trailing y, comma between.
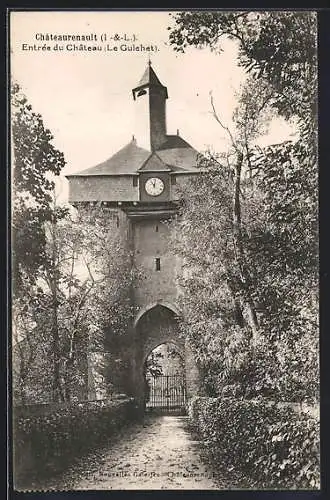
x: 166, y: 392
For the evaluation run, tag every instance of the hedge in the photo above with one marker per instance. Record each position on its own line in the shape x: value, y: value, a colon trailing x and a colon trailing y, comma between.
x: 276, y: 448
x: 48, y: 442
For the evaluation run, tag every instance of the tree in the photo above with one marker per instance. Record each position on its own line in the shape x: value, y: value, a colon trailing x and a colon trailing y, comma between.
x: 153, y: 365
x: 282, y: 363
x: 80, y: 303
x: 35, y: 162
x: 250, y: 120
x: 55, y: 302
x: 272, y: 237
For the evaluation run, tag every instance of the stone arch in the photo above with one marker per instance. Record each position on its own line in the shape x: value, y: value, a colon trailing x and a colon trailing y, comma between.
x: 156, y: 324
x: 179, y: 346
x: 148, y: 307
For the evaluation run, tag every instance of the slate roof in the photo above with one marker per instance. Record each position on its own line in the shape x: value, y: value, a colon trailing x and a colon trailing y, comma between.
x: 126, y: 161
x: 175, y: 155
x: 154, y: 164
x: 178, y: 154
x: 149, y: 77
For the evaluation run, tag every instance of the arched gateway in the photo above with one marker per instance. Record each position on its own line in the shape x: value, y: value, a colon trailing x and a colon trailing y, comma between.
x: 139, y: 188
x: 160, y: 325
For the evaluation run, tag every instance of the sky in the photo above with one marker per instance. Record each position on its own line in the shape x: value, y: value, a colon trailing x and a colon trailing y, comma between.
x: 85, y: 97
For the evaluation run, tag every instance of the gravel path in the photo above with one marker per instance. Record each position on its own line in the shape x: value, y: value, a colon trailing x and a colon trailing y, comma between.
x: 161, y: 454
x: 158, y: 454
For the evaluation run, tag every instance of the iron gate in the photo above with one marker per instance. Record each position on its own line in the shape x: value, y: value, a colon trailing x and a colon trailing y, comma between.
x: 167, y: 393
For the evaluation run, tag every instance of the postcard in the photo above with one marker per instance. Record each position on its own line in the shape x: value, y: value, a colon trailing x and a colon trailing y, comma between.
x: 164, y: 250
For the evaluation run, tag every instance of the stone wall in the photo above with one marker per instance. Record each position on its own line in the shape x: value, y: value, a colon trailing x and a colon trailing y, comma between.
x: 102, y: 188
x: 120, y: 187
x: 151, y: 241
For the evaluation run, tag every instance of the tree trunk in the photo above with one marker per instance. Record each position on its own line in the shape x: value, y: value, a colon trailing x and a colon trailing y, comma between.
x: 68, y: 373
x: 238, y: 313
x: 245, y: 280
x: 57, y: 386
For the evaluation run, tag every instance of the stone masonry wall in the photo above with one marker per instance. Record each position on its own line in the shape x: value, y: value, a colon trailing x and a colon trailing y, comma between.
x: 151, y: 241
x: 103, y: 188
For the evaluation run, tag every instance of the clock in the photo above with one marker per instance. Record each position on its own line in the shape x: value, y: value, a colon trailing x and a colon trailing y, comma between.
x: 154, y: 186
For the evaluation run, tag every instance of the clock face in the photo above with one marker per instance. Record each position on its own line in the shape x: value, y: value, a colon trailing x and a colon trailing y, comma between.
x: 154, y: 186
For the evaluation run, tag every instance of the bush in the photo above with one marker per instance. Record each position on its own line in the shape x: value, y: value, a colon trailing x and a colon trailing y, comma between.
x: 51, y: 440
x: 275, y: 447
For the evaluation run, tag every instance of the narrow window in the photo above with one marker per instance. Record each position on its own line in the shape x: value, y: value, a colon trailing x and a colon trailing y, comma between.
x: 173, y: 180
x: 156, y: 228
x: 135, y: 181
x: 157, y: 263
x: 117, y: 221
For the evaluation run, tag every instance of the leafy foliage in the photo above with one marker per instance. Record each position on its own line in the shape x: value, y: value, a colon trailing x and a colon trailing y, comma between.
x: 36, y: 162
x: 80, y: 303
x: 31, y: 350
x: 274, y: 446
x: 105, y: 254
x: 163, y: 360
x: 282, y: 283
x: 248, y: 230
x: 54, y: 435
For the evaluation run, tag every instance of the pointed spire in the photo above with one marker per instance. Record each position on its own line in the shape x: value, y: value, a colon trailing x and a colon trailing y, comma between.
x: 149, y: 78
x: 151, y: 95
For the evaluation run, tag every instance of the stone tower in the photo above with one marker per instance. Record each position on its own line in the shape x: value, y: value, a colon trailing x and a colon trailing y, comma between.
x: 140, y: 184
x: 150, y: 103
